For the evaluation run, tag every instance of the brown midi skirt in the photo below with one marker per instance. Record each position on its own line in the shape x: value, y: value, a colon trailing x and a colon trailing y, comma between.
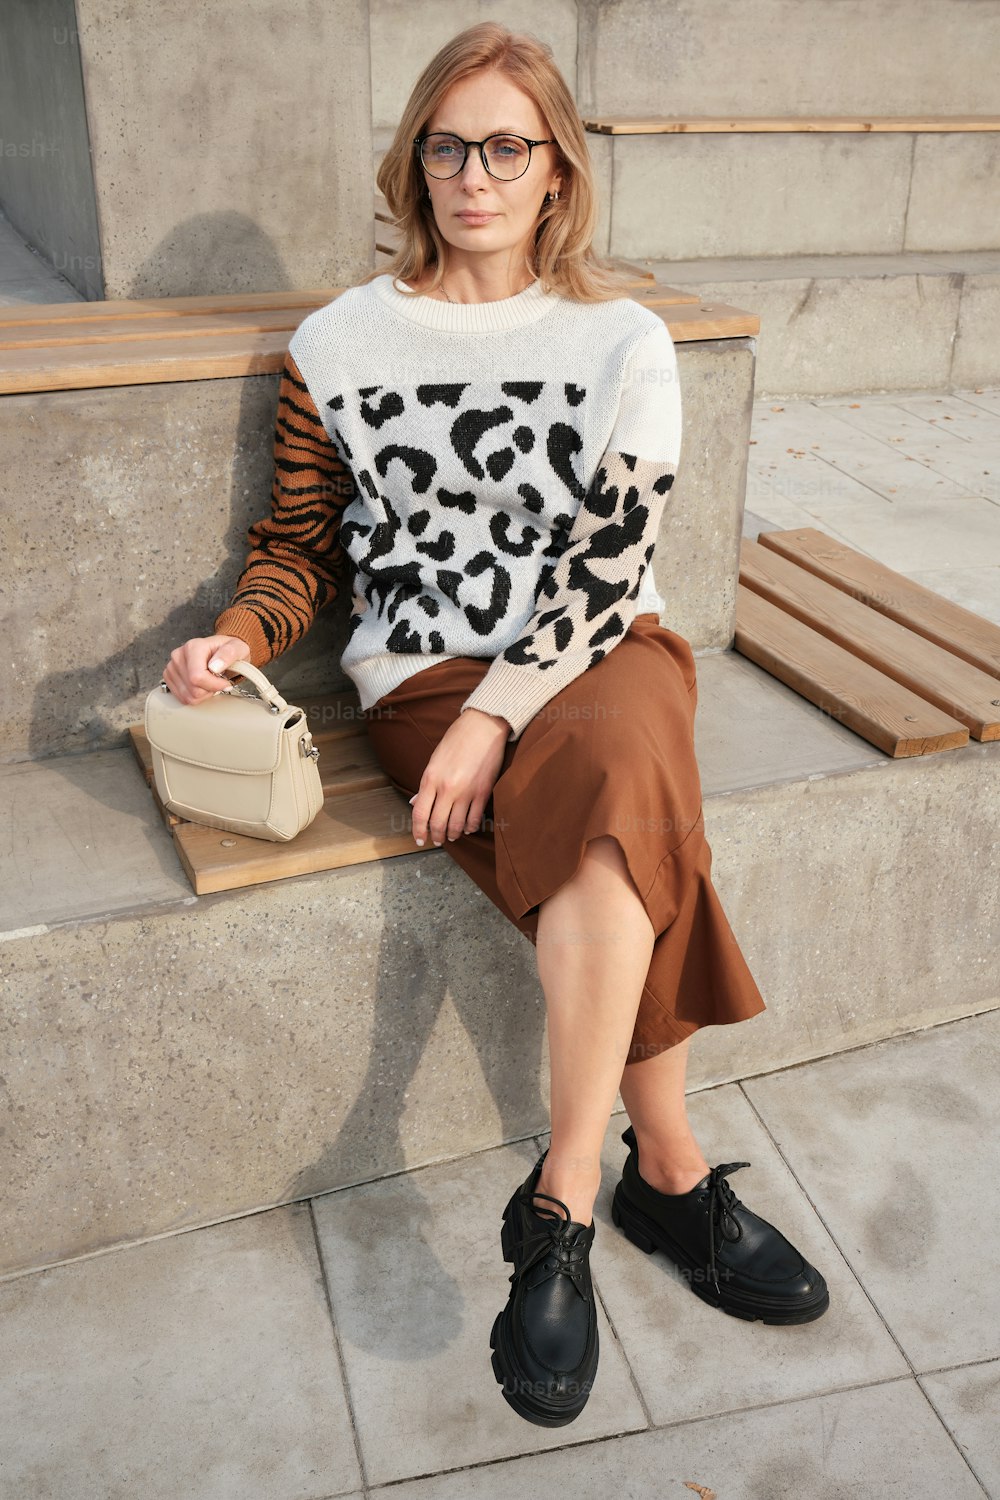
x: 611, y: 753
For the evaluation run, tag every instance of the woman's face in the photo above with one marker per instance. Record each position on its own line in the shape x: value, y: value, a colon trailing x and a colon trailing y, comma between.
x: 476, y: 107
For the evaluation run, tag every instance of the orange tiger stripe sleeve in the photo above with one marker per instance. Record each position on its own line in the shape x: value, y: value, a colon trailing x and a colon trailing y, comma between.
x: 295, y: 564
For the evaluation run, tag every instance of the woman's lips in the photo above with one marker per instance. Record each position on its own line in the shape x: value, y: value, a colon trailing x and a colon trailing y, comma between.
x: 474, y: 218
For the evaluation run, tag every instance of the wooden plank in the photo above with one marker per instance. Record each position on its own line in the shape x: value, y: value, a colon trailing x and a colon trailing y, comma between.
x: 98, y: 331
x: 215, y: 356
x: 851, y: 691
x: 928, y: 670
x: 757, y: 124
x: 920, y: 609
x: 145, y: 362
x: 710, y: 320
x: 166, y: 307
x: 349, y: 830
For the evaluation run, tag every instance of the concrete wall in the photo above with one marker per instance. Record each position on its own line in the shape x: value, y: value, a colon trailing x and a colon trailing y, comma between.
x: 704, y: 57
x: 46, y: 183
x: 231, y: 143
x: 124, y: 518
x: 789, y: 57
x: 404, y: 38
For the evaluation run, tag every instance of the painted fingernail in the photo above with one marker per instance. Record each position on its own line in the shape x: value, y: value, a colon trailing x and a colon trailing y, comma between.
x: 216, y: 664
x: 420, y: 842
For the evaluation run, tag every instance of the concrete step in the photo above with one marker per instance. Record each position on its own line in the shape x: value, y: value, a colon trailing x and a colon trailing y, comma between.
x: 836, y: 324
x: 171, y: 1061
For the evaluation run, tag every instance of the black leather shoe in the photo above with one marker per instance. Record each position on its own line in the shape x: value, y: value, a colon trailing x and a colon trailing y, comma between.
x: 544, y: 1340
x: 729, y: 1257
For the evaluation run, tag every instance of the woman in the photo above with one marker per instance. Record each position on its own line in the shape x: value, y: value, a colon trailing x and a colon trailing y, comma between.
x: 490, y: 431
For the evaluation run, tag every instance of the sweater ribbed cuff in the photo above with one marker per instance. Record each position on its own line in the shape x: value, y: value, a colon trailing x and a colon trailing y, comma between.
x: 241, y: 622
x: 514, y: 693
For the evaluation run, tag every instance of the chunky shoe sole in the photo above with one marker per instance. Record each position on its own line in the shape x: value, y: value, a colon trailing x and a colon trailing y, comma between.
x: 522, y: 1394
x: 649, y: 1236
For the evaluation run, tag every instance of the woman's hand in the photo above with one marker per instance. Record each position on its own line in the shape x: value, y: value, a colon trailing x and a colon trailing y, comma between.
x: 458, y: 779
x: 195, y: 669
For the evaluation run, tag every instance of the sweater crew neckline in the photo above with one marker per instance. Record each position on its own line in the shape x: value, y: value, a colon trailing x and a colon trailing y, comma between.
x: 523, y: 308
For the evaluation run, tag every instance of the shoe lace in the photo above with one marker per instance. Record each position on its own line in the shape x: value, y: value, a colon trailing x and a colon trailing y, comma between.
x: 721, y: 1202
x: 568, y: 1255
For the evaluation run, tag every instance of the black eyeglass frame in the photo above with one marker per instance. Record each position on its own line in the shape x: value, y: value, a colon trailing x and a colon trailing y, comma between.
x: 498, y: 135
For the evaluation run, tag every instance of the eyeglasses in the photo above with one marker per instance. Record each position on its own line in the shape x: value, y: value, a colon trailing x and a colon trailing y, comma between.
x: 504, y: 156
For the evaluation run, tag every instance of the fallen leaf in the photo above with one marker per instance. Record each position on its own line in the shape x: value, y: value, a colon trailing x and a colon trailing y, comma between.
x: 700, y: 1489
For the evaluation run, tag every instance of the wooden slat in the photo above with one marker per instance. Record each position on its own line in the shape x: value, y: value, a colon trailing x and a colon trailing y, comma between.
x: 170, y: 308
x: 144, y: 362
x: 920, y: 609
x: 851, y: 691
x: 349, y: 830
x: 756, y: 124
x: 97, y: 331
x: 957, y: 688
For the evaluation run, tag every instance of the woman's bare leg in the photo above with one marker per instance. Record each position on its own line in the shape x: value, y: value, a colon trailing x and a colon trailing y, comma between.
x: 594, y: 943
x: 653, y: 1094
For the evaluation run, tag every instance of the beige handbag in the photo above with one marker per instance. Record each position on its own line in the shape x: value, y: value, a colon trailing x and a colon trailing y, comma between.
x: 240, y: 761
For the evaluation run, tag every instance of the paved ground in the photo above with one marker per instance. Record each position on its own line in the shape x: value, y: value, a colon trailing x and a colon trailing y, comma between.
x: 911, y: 478
x: 340, y: 1346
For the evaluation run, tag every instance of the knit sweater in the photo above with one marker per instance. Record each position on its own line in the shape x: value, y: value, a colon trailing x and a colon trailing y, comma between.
x: 496, y: 472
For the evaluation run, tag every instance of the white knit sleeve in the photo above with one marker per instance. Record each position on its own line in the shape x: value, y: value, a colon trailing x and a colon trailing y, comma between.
x: 586, y: 600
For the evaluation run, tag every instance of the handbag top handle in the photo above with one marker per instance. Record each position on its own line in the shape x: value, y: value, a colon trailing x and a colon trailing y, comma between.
x: 265, y: 688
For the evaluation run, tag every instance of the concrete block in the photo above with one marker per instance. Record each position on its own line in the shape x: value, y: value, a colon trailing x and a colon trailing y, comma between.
x: 955, y: 192
x: 198, y: 190
x: 790, y: 57
x: 679, y: 196
x: 134, y: 1374
x: 125, y: 515
x: 405, y: 37
x: 977, y: 342
x: 849, y: 332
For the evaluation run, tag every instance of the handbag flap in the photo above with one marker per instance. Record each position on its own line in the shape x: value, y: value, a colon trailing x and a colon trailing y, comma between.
x: 229, y: 732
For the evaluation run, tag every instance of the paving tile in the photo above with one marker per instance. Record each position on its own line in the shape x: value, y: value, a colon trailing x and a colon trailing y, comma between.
x: 968, y: 1402
x: 898, y: 1145
x: 916, y: 532
x: 202, y: 1365
x: 882, y: 1440
x: 692, y: 1360
x: 977, y: 589
x: 417, y: 1277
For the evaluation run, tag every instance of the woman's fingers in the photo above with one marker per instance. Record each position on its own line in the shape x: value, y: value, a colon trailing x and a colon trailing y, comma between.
x: 194, y: 671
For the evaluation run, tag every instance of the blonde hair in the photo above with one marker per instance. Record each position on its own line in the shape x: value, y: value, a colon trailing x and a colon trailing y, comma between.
x: 561, y: 255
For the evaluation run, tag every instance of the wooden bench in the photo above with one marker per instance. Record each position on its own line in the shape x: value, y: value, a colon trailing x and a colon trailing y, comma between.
x: 79, y: 345
x: 760, y: 124
x: 896, y: 662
